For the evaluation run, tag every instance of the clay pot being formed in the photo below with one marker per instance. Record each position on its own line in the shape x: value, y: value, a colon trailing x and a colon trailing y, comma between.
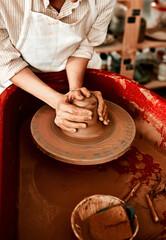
x: 94, y: 128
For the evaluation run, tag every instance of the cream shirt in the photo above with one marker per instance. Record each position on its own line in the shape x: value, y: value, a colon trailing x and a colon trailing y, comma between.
x: 12, y: 15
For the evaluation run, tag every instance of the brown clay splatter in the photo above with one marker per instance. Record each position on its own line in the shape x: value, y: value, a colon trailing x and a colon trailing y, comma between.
x: 141, y: 165
x: 163, y: 222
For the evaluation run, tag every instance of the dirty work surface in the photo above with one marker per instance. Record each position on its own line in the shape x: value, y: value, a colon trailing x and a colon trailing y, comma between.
x: 49, y: 189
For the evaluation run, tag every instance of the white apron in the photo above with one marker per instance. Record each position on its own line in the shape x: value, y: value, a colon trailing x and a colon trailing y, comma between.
x: 46, y: 43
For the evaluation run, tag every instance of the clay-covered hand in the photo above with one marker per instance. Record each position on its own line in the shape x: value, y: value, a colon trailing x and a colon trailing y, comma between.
x: 70, y: 117
x: 78, y: 94
x: 102, y: 108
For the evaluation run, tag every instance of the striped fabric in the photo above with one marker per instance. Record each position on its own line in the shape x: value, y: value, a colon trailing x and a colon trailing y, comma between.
x: 12, y: 15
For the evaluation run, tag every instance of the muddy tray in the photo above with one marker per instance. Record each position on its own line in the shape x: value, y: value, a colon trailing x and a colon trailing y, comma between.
x: 38, y: 193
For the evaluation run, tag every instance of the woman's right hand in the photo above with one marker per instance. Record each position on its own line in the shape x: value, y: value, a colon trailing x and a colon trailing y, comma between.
x: 70, y: 117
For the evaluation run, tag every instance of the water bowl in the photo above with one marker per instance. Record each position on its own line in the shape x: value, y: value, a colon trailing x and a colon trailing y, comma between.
x: 91, y: 205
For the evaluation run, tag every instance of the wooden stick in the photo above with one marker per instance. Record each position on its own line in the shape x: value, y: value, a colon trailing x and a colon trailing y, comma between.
x: 132, y: 192
x: 155, y: 217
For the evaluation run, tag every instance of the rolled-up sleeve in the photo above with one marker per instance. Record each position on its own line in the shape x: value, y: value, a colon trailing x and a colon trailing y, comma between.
x: 98, y: 31
x: 10, y: 59
x: 84, y: 50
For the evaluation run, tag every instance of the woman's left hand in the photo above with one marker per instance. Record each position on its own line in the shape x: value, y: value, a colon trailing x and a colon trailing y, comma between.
x: 80, y: 93
x: 102, y: 108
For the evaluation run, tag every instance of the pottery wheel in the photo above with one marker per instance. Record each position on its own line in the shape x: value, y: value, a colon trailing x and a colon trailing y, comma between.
x: 109, y: 143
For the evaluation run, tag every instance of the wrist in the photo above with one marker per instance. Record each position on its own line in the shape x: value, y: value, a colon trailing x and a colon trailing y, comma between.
x: 75, y: 81
x: 75, y: 70
x: 54, y: 99
x: 75, y: 86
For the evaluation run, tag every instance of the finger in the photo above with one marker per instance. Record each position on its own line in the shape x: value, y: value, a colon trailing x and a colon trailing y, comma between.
x: 74, y: 94
x: 105, y: 116
x: 69, y: 124
x: 72, y: 117
x: 78, y: 95
x: 68, y: 98
x: 85, y: 92
x: 101, y: 103
x: 106, y: 122
x: 67, y: 107
x: 60, y: 123
x: 100, y: 109
x: 71, y: 130
x: 104, y: 110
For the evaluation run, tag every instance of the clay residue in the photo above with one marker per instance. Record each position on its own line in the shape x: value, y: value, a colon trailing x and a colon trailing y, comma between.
x: 117, y: 78
x: 152, y: 130
x: 138, y: 164
x: 122, y: 81
x: 149, y: 96
x: 150, y: 126
x: 137, y: 107
x: 48, y: 212
x: 50, y: 190
x: 163, y: 222
x: 150, y: 133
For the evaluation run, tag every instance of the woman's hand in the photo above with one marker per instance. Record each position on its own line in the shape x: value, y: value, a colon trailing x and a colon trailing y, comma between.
x: 102, y: 108
x: 75, y: 69
x: 70, y: 117
x: 80, y: 93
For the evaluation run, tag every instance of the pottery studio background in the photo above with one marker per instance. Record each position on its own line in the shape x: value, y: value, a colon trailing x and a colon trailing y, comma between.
x: 150, y: 47
x: 38, y: 193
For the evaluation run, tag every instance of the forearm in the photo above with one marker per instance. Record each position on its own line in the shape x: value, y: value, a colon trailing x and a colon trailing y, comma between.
x: 29, y: 82
x: 75, y: 70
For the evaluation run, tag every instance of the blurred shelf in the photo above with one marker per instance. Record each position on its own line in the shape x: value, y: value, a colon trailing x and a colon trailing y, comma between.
x: 117, y: 46
x: 148, y: 43
x: 155, y: 84
x: 129, y: 45
x: 123, y: 1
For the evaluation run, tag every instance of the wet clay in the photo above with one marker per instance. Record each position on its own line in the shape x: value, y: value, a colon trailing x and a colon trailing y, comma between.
x: 49, y: 190
x: 95, y: 128
x: 95, y: 144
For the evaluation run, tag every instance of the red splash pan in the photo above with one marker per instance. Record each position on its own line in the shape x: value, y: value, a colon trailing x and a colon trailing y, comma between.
x: 38, y: 194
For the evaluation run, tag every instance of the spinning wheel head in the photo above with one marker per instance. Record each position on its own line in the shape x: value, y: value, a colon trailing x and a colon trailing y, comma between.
x: 94, y: 145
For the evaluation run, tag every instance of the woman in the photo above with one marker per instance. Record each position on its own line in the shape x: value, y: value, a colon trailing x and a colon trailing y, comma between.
x: 50, y: 36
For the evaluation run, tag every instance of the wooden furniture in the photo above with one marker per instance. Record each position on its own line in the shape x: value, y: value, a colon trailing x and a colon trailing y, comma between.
x: 129, y: 45
x: 130, y: 38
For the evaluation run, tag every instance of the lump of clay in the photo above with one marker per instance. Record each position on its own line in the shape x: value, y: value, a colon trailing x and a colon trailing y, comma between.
x: 95, y: 128
x: 110, y: 224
